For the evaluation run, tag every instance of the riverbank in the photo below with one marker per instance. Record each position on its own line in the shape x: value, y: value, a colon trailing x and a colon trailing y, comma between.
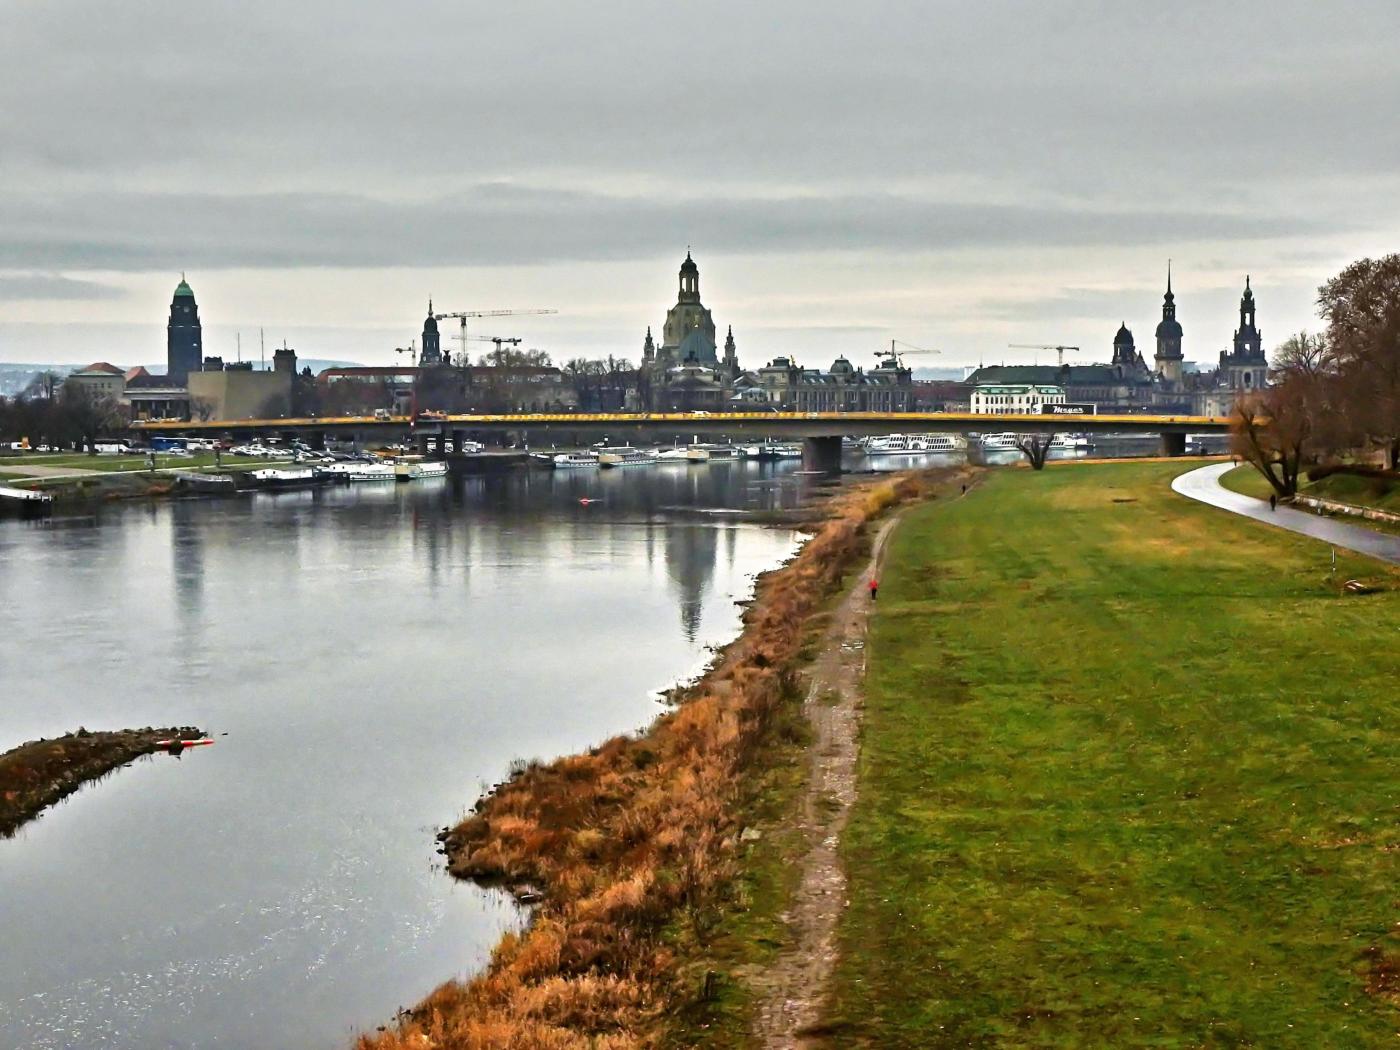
x: 1126, y: 777
x: 35, y: 775
x: 633, y: 848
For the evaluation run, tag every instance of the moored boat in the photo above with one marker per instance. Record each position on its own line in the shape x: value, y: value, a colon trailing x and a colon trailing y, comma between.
x: 205, y: 484
x: 999, y: 442
x: 282, y: 478
x: 417, y: 470
x: 625, y: 456
x: 574, y: 460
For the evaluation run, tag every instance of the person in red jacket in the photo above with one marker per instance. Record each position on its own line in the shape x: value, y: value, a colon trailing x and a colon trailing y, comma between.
x: 874, y: 588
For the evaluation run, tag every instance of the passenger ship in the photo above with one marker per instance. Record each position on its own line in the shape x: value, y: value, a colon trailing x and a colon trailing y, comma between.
x: 625, y: 456
x: 913, y: 444
x: 574, y: 460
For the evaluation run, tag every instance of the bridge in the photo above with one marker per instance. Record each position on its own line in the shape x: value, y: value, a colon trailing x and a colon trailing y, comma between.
x: 820, y: 432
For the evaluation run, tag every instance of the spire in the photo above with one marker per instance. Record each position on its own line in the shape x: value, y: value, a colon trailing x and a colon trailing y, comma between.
x: 1169, y: 281
x: 430, y: 306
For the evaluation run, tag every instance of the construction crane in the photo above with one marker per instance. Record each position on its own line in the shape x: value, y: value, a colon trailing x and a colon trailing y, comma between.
x: 1059, y: 350
x: 895, y: 356
x: 463, y: 315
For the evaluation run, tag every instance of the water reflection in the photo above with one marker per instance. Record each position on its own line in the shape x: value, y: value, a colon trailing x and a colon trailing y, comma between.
x: 377, y: 654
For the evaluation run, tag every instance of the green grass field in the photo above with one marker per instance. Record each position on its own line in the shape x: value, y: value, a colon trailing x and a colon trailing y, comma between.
x: 1130, y: 777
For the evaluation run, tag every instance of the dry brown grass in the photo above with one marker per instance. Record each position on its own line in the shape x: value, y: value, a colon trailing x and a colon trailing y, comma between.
x: 634, y: 836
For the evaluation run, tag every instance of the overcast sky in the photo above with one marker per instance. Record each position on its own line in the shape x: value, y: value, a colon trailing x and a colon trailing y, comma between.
x: 958, y: 176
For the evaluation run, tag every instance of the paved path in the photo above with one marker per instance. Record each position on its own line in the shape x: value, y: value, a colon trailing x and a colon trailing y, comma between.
x: 1204, y: 485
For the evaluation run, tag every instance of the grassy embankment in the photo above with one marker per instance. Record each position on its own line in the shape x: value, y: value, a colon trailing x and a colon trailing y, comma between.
x: 35, y: 775
x: 636, y: 847
x: 1381, y: 493
x: 1128, y: 778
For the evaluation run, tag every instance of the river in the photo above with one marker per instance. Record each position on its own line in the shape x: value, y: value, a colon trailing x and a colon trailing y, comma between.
x: 376, y: 655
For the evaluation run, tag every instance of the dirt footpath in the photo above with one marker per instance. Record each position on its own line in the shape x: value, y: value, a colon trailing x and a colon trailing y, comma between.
x: 792, y: 991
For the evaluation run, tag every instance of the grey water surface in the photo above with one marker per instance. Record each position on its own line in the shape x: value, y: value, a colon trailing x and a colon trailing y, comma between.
x: 377, y: 656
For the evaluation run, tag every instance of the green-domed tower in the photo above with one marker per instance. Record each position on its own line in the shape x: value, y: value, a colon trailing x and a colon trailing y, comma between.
x: 184, y: 342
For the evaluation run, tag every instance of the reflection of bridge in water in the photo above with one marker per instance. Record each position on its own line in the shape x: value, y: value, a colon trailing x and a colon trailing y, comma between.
x: 820, y: 432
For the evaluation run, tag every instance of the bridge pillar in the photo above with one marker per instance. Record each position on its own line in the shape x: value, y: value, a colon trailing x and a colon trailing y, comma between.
x: 1173, y: 444
x: 440, y: 443
x: 822, y: 453
x: 459, y: 440
x: 421, y: 443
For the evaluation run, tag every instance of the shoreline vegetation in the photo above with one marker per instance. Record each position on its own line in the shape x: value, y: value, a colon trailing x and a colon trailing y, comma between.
x: 632, y: 849
x: 35, y: 775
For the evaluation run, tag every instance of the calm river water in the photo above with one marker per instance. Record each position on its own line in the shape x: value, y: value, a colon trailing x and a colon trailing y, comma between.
x: 376, y: 655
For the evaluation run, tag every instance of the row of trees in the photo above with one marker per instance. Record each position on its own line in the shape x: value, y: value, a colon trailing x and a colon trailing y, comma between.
x: 1334, y: 394
x: 76, y: 419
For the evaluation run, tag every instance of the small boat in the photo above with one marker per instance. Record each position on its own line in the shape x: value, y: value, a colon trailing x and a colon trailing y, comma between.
x: 625, y: 456
x: 574, y: 460
x: 674, y: 455
x: 283, y: 478
x: 417, y: 470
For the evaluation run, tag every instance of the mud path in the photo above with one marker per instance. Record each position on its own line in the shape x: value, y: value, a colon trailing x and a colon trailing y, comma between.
x: 792, y: 991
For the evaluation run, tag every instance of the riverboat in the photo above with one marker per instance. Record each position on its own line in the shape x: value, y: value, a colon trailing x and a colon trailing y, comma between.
x: 1071, y: 442
x: 769, y: 452
x: 910, y: 445
x: 205, y: 484
x: 574, y: 460
x: 417, y: 470
x: 370, y: 472
x: 1000, y: 442
x: 705, y: 452
x: 625, y: 456
x: 283, y: 478
x: 674, y: 455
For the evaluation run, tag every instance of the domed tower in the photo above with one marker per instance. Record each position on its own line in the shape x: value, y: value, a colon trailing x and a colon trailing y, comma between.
x: 690, y: 281
x: 1168, y: 356
x: 1124, y: 353
x: 184, y: 337
x: 432, y: 348
x: 687, y: 316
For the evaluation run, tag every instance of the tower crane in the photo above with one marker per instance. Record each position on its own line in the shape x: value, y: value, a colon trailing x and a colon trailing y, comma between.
x: 897, y: 356
x: 463, y: 315
x: 1059, y: 350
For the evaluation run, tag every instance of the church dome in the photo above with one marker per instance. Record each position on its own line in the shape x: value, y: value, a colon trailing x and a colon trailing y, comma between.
x: 689, y: 265
x: 1124, y: 337
x: 430, y: 325
x: 1169, y: 328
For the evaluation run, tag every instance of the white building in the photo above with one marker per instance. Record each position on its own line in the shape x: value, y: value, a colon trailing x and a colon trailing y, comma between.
x: 1017, y: 398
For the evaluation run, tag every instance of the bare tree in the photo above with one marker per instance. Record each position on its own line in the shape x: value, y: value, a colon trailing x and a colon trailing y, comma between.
x: 1274, y: 430
x: 1362, y: 308
x: 201, y: 408
x: 1036, y: 447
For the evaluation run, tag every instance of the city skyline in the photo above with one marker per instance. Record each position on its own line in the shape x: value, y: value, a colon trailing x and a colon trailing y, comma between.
x: 958, y: 181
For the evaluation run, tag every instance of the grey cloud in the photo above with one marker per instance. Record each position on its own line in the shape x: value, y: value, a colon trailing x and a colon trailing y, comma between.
x: 28, y: 286
x: 504, y: 225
